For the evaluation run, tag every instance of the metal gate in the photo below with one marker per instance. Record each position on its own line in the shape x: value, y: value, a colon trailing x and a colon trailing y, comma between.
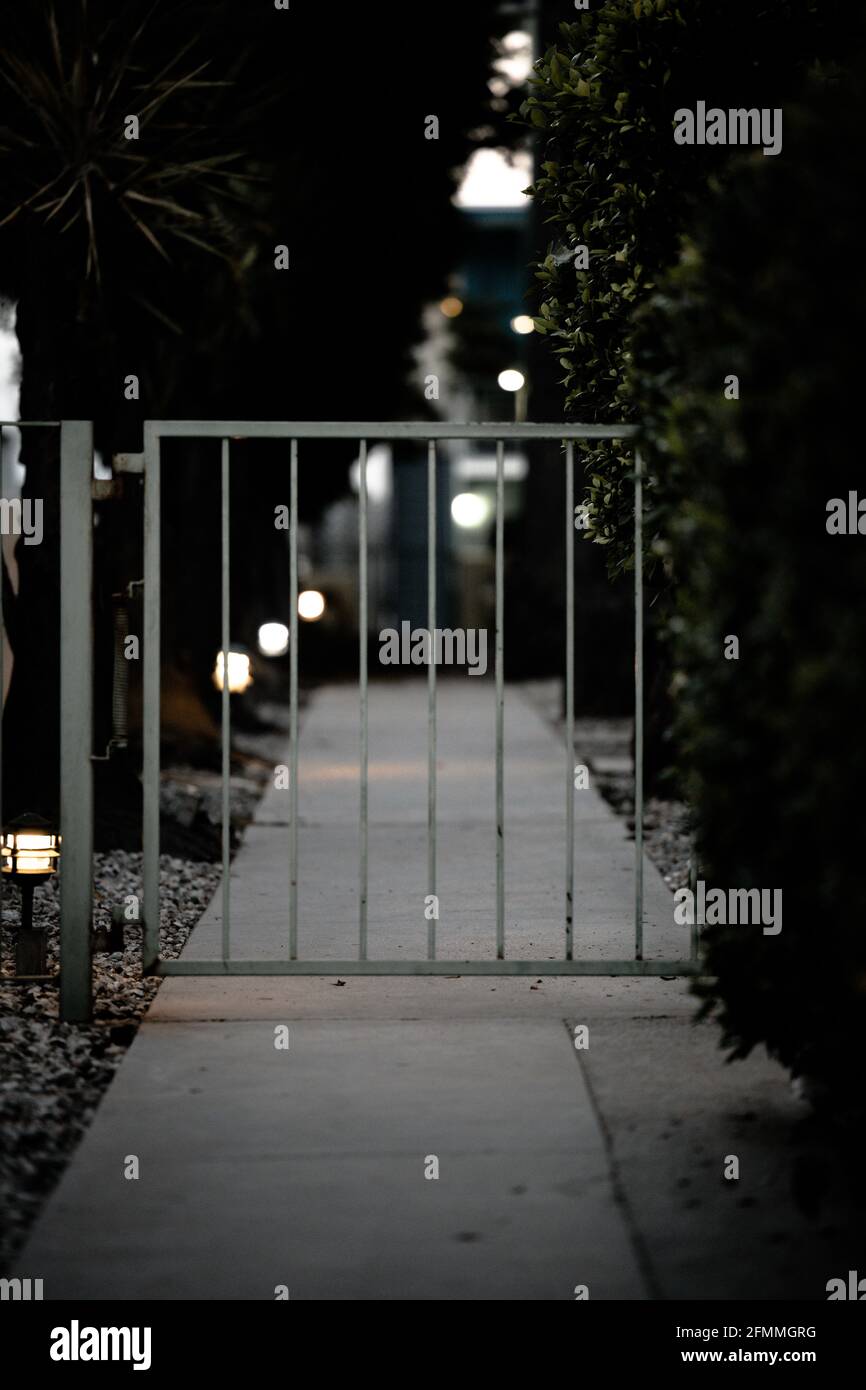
x: 76, y: 696
x: 363, y: 434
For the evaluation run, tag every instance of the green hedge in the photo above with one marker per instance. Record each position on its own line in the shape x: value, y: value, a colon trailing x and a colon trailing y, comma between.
x: 705, y: 263
x: 612, y: 179
x: 774, y: 742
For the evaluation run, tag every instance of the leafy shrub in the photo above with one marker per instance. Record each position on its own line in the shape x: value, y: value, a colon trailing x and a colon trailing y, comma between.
x: 612, y: 179
x: 772, y: 291
x: 707, y: 262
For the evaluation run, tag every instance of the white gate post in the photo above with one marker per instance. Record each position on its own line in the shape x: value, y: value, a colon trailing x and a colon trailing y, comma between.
x: 76, y: 719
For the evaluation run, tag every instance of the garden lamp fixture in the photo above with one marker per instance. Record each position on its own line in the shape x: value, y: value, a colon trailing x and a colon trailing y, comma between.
x: 311, y: 605
x: 30, y: 851
x: 470, y: 510
x: 273, y: 639
x: 240, y: 675
x: 513, y: 381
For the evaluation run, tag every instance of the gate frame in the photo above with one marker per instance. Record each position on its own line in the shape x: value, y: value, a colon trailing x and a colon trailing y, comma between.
x: 76, y: 720
x: 75, y: 975
x: 362, y: 433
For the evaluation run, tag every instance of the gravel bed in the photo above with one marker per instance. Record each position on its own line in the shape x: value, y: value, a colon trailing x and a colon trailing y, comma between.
x: 666, y: 827
x: 604, y: 745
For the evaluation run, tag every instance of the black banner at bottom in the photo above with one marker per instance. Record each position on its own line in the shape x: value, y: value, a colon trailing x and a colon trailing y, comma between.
x: 82, y: 1339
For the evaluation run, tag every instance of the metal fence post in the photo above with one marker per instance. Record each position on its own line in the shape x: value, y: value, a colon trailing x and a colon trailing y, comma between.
x: 638, y: 706
x: 500, y: 699
x: 364, y: 758
x: 569, y: 700
x: 225, y: 731
x: 432, y: 708
x: 151, y: 697
x: 293, y: 701
x: 76, y: 719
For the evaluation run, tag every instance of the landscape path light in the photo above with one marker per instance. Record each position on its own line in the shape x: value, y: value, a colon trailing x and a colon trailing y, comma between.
x: 470, y: 510
x: 30, y: 854
x: 311, y: 605
x: 451, y: 306
x: 514, y: 382
x: 240, y: 675
x: 273, y: 639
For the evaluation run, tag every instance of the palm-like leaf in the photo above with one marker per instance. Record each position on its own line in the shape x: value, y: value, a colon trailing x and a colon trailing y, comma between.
x: 69, y: 78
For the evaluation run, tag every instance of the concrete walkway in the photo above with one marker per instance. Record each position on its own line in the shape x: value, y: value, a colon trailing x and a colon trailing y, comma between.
x: 466, y: 883
x: 305, y: 1168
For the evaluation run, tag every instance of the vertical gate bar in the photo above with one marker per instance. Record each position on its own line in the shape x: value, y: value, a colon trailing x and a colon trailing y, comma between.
x: 362, y: 660
x: 569, y: 700
x: 76, y: 718
x: 431, y: 691
x: 638, y: 705
x: 293, y: 701
x: 500, y: 702
x: 225, y: 734
x: 151, y: 696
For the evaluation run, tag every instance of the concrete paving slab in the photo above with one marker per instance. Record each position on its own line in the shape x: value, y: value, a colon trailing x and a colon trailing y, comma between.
x: 675, y: 1114
x: 306, y: 1167
x: 394, y: 997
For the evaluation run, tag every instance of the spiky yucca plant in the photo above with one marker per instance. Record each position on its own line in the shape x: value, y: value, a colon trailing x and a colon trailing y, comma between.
x: 101, y: 136
x: 106, y: 244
